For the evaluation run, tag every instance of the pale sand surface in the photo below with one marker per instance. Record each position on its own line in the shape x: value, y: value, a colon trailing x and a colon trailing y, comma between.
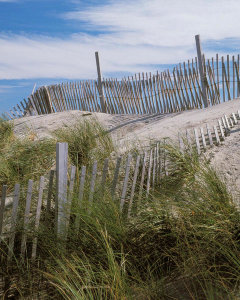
x: 132, y: 131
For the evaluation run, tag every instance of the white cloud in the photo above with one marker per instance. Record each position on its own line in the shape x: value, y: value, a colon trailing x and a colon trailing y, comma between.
x: 164, y: 23
x: 132, y: 36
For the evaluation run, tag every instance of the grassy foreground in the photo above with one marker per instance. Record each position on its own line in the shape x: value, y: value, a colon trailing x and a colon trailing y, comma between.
x: 183, y: 243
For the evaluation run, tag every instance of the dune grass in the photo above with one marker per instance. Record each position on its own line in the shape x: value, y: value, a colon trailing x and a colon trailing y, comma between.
x: 182, y: 244
x: 23, y: 159
x: 87, y: 141
x: 26, y: 158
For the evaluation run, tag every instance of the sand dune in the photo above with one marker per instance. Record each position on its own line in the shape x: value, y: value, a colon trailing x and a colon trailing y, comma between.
x: 133, y: 130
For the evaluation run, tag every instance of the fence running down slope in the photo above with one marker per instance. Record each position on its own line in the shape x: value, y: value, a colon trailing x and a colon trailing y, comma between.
x: 166, y: 92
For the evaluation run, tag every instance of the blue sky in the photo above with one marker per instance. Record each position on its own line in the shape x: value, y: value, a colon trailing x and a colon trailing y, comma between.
x: 50, y: 41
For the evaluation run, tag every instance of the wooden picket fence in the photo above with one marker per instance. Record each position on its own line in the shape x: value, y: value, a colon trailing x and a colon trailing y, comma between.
x: 128, y: 181
x: 165, y: 92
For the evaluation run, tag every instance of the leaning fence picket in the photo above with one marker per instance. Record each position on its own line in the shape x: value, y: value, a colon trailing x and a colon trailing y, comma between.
x: 209, y: 136
x: 134, y: 184
x: 224, y: 123
x: 221, y: 129
x: 125, y: 182
x: 203, y: 139
x: 26, y: 216
x: 149, y: 172
x: 38, y: 213
x: 227, y: 123
x: 216, y: 135
x: 154, y: 167
x: 142, y: 176
x: 197, y: 141
x: 238, y: 113
x: 234, y: 118
x: 92, y: 185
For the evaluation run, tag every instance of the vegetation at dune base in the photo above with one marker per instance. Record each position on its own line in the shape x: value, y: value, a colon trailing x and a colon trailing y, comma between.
x: 27, y: 158
x: 183, y: 243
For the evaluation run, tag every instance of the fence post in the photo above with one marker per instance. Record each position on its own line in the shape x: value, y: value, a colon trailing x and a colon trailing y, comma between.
x: 100, y: 89
x: 61, y: 197
x: 201, y: 71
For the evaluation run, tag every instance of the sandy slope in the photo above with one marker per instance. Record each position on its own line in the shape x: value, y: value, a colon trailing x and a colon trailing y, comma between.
x: 132, y: 130
x: 226, y: 160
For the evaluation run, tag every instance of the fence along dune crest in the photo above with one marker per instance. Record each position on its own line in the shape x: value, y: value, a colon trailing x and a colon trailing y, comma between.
x: 194, y: 84
x: 164, y: 92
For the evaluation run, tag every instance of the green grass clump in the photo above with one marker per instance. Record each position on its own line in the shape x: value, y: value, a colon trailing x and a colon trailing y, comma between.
x: 26, y: 158
x: 6, y: 132
x: 22, y: 159
x: 87, y: 141
x: 77, y: 277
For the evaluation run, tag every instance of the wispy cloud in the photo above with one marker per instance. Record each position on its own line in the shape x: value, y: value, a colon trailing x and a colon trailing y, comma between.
x: 4, y: 88
x: 131, y: 36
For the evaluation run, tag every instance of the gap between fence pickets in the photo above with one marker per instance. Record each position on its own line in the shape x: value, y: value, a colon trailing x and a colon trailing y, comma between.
x: 134, y: 184
x: 154, y: 166
x: 70, y: 195
x: 50, y: 190
x: 80, y: 196
x: 125, y: 182
x: 149, y: 172
x: 142, y: 176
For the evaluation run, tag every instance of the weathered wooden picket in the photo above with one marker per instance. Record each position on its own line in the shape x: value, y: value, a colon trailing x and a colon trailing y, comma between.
x: 127, y: 181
